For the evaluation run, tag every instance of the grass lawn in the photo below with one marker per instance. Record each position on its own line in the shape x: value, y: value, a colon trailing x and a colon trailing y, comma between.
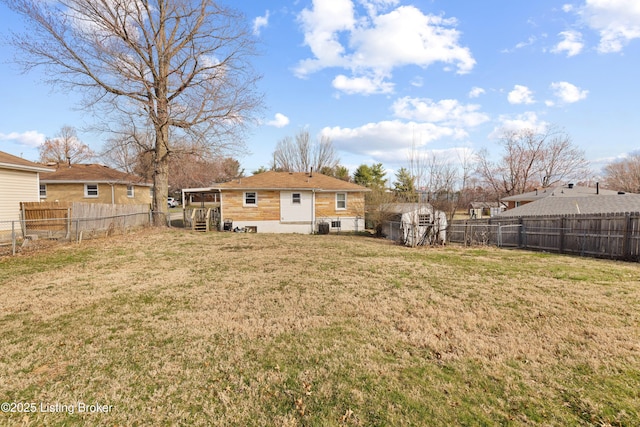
x: 172, y: 327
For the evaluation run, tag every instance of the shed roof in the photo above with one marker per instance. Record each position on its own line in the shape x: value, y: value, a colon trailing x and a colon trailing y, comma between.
x: 82, y: 173
x: 9, y: 161
x: 401, y: 208
x: 290, y: 181
x: 601, y: 204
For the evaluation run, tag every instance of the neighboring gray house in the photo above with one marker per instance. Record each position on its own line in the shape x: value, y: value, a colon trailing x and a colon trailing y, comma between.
x: 561, y: 206
x: 414, y: 224
x: 568, y: 190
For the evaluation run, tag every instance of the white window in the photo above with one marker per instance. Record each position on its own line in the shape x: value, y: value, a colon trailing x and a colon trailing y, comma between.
x: 250, y: 198
x: 336, y: 224
x: 296, y: 198
x: 341, y: 201
x: 43, y: 191
x: 91, y: 190
x: 130, y: 191
x: 424, y: 220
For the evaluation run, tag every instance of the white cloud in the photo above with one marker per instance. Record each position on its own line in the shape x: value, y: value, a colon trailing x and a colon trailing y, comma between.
x: 362, y: 85
x: 322, y: 26
x: 475, y: 92
x: 29, y: 138
x: 260, y: 22
x: 571, y: 44
x: 380, y: 139
x: 520, y: 95
x: 279, y: 121
x: 568, y: 93
x: 528, y: 120
x: 447, y: 111
x: 377, y: 43
x: 617, y: 22
x: 530, y: 42
x: 417, y: 81
x: 375, y: 6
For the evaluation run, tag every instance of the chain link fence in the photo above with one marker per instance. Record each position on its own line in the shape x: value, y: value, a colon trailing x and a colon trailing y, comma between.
x: 17, y: 235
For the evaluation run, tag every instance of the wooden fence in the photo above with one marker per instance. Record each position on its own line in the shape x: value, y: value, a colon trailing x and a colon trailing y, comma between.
x: 614, y: 236
x: 70, y: 220
x: 48, y: 217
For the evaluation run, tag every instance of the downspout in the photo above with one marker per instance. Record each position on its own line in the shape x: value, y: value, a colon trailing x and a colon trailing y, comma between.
x: 313, y: 210
x: 221, y: 225
x: 113, y: 195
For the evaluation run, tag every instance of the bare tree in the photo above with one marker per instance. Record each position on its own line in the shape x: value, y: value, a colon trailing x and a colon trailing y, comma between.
x: 179, y: 68
x: 189, y: 166
x: 530, y: 159
x: 65, y: 147
x: 560, y: 160
x: 121, y: 154
x: 624, y: 175
x: 301, y: 154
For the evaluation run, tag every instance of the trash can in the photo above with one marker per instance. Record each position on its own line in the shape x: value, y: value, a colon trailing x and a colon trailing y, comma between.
x: 227, y: 225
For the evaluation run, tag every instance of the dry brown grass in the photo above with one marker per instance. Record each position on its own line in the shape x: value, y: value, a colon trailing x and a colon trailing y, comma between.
x: 173, y: 327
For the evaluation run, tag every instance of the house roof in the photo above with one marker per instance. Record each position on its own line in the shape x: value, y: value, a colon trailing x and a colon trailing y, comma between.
x: 290, y: 181
x: 90, y: 173
x: 569, y: 190
x: 559, y: 206
x: 8, y: 161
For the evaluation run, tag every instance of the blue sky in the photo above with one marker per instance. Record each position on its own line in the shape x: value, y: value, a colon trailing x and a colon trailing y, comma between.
x: 378, y: 76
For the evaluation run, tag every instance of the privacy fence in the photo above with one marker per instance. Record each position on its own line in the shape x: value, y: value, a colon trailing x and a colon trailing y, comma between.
x: 614, y: 236
x: 70, y: 221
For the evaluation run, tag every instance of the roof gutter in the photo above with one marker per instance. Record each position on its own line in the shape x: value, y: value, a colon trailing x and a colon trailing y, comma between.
x: 25, y: 168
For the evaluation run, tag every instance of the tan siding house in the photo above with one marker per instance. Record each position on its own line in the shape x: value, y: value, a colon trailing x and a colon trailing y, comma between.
x: 284, y: 202
x: 92, y: 183
x: 19, y: 182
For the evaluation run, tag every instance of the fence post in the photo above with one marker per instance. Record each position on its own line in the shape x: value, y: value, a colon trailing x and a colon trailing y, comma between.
x: 561, y: 242
x: 626, y: 236
x: 13, y: 237
x: 520, y: 233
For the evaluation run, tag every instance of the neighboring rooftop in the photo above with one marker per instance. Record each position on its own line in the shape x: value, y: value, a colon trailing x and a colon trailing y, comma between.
x: 567, y: 205
x: 95, y: 173
x: 290, y: 181
x: 9, y: 161
x: 568, y: 190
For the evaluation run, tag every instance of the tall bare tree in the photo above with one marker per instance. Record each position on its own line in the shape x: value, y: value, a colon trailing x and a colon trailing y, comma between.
x: 531, y: 159
x: 301, y: 154
x: 624, y: 175
x: 560, y: 160
x: 179, y: 68
x: 65, y: 147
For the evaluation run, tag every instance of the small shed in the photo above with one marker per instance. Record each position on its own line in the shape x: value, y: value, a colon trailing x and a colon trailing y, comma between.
x: 414, y: 224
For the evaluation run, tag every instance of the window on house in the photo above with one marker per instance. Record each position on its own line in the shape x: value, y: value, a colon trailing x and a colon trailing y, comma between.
x: 341, y: 200
x: 43, y: 190
x: 251, y: 198
x: 335, y: 224
x: 424, y: 220
x: 295, y: 198
x: 91, y: 190
x: 130, y: 192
